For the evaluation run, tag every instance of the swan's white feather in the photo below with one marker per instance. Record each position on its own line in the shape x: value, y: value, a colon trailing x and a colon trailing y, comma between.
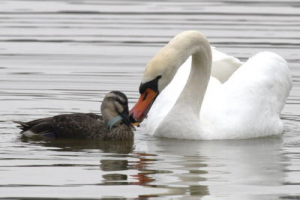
x: 246, y: 106
x: 223, y: 65
x: 249, y: 103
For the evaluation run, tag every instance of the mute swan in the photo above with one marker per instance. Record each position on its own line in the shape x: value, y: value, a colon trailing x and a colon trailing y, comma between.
x: 112, y: 125
x: 247, y: 105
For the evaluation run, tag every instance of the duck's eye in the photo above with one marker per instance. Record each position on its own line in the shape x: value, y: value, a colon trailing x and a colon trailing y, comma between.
x: 145, y: 96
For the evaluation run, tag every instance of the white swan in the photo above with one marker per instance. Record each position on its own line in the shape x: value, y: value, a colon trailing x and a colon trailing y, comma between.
x: 247, y: 105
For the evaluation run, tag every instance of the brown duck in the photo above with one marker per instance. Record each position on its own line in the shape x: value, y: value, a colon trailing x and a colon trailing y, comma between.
x: 114, y: 123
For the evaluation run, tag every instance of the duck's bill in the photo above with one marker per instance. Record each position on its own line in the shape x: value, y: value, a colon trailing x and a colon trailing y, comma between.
x: 127, y: 120
x: 136, y: 124
x: 139, y: 112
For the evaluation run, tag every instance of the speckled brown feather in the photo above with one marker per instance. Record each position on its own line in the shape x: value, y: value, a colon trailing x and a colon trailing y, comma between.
x: 78, y: 125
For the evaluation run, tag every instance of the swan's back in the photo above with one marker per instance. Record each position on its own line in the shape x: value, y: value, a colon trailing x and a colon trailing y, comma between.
x: 249, y: 103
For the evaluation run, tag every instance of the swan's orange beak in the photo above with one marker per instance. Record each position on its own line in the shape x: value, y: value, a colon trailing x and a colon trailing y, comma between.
x: 139, y: 112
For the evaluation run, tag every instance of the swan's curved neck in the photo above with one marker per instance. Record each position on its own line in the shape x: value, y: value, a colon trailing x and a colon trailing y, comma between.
x: 195, y: 88
x: 193, y: 44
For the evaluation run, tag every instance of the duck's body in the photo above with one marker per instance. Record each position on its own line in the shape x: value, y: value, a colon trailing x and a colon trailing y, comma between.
x: 77, y: 125
x: 247, y: 105
x: 84, y: 125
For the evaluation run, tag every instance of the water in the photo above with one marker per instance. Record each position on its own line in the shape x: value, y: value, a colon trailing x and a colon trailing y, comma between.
x: 63, y: 56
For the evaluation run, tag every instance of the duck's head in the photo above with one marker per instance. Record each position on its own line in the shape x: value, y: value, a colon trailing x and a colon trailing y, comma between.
x: 114, y: 109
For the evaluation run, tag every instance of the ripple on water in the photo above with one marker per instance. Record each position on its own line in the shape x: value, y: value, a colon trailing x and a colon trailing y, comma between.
x: 64, y: 56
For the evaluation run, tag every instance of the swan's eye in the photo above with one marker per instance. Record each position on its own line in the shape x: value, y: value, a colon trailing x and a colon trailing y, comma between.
x: 145, y: 96
x: 150, y: 84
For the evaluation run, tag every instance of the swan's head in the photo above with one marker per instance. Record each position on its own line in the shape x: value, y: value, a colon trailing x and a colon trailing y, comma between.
x: 149, y: 91
x: 158, y: 74
x: 162, y: 68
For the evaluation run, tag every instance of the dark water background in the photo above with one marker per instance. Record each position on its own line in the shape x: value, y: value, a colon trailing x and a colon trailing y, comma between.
x: 63, y: 56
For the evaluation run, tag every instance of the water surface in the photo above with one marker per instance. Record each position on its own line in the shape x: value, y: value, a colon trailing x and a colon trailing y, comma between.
x: 64, y: 56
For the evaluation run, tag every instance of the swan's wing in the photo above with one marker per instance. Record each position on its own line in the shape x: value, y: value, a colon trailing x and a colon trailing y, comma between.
x: 223, y: 65
x: 249, y: 103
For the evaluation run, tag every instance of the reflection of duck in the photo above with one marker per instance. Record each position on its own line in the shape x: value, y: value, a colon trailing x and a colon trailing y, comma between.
x: 113, y: 124
x: 247, y: 105
x: 106, y: 146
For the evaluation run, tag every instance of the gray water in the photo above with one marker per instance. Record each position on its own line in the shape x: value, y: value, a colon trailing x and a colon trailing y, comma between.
x: 63, y: 56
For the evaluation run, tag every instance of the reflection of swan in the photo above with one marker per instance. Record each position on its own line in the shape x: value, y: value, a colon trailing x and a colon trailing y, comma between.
x: 247, y: 105
x: 223, y: 168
